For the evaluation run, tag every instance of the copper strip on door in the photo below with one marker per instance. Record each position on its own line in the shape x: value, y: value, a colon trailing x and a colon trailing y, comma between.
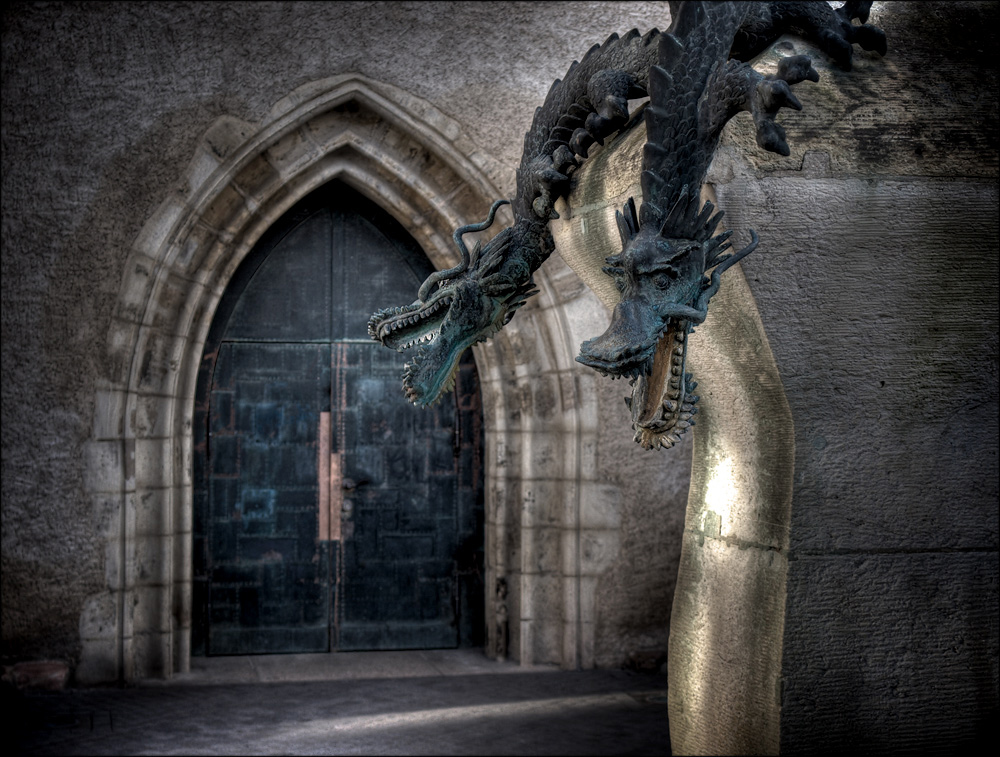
x: 323, y: 472
x: 336, y: 487
x: 331, y: 483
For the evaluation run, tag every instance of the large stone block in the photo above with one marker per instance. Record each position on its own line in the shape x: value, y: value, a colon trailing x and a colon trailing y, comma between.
x: 149, y: 606
x: 152, y: 464
x: 109, y: 414
x: 137, y: 283
x: 99, y: 619
x: 891, y: 652
x: 541, y: 550
x: 541, y: 596
x: 289, y: 153
x: 98, y: 662
x: 544, y: 503
x: 105, y: 467
x: 600, y: 505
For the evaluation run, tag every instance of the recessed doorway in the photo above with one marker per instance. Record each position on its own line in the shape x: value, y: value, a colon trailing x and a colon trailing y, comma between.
x: 329, y: 513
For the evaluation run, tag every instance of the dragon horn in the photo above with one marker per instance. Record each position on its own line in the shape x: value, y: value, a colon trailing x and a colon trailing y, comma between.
x: 712, y: 285
x: 437, y: 276
x: 462, y: 230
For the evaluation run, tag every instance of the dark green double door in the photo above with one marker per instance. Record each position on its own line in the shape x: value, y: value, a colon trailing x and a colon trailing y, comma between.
x: 330, y: 514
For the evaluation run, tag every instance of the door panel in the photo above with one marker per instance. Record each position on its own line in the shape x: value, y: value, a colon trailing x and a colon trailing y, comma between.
x: 271, y: 575
x: 287, y: 355
x: 400, y: 521
x: 289, y: 295
x: 369, y: 274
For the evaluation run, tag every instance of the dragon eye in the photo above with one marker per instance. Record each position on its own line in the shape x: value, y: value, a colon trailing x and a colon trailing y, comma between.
x: 664, y: 279
x: 620, y: 284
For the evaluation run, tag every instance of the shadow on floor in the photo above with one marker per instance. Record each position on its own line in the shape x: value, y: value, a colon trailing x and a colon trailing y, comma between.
x: 489, y: 708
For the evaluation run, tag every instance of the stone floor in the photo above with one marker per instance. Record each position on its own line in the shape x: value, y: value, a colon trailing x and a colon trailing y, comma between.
x: 422, y: 702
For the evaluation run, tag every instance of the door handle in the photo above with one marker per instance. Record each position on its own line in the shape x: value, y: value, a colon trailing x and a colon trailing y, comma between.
x: 331, y: 482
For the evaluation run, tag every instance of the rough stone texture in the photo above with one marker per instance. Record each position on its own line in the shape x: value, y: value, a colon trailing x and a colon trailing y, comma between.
x: 891, y: 394
x: 876, y: 279
x: 106, y: 108
x: 904, y: 662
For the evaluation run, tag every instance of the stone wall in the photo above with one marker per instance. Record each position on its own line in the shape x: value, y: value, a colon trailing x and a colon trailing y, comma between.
x: 116, y: 117
x: 875, y: 281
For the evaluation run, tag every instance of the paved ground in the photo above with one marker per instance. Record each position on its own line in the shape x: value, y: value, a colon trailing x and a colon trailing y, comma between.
x: 426, y: 702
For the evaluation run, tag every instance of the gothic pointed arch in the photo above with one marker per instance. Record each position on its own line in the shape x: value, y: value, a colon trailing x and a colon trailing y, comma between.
x: 416, y: 163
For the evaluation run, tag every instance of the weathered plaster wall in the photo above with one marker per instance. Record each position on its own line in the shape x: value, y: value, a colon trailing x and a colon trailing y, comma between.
x: 876, y: 279
x: 104, y: 106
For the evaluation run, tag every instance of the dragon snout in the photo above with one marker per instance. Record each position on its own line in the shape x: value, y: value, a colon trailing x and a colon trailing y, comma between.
x: 627, y: 345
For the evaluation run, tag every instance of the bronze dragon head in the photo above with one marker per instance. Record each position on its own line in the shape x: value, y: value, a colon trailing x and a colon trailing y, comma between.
x: 697, y: 76
x: 666, y: 274
x: 454, y: 310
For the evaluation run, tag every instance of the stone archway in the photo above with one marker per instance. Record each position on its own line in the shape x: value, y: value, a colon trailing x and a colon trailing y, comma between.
x: 549, y: 535
x: 416, y: 163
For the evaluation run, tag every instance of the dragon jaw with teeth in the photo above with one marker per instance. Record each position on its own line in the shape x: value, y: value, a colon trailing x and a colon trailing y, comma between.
x: 697, y: 77
x: 661, y: 275
x: 472, y: 302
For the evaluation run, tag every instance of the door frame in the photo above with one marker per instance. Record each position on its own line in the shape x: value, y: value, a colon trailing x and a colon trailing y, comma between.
x: 416, y: 163
x: 339, y: 198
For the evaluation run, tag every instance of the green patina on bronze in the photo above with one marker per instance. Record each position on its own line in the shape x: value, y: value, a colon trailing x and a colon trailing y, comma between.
x: 697, y: 77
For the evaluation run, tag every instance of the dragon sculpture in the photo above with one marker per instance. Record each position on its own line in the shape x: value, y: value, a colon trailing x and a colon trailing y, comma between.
x: 697, y: 76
